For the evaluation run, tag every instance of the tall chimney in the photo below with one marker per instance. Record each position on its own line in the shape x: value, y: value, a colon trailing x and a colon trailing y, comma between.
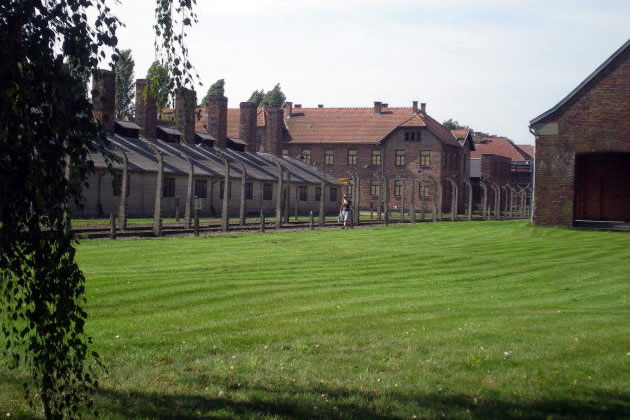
x: 216, y: 108
x: 247, y: 127
x: 146, y: 110
x: 377, y: 107
x: 185, y: 103
x: 274, y: 133
x: 423, y: 108
x: 415, y: 107
x: 104, y: 90
x: 289, y: 106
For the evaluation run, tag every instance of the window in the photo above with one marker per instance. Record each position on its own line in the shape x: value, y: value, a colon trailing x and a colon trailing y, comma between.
x: 423, y: 190
x: 333, y: 194
x: 117, y: 185
x: 329, y: 157
x: 285, y: 153
x: 303, y: 193
x: 398, y: 188
x: 307, y: 156
x: 376, y: 157
x: 267, y: 191
x: 413, y: 136
x: 375, y: 186
x: 318, y: 193
x: 352, y: 158
x: 425, y: 158
x: 406, y: 135
x: 222, y: 188
x: 201, y: 188
x: 249, y: 191
x: 168, y: 188
x: 400, y: 158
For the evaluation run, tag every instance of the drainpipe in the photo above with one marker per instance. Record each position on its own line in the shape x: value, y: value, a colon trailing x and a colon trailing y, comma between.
x: 531, y: 216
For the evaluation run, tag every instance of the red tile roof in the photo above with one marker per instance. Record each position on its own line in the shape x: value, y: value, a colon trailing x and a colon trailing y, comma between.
x: 528, y: 148
x: 497, y: 146
x: 338, y: 125
x: 460, y: 134
x: 357, y: 125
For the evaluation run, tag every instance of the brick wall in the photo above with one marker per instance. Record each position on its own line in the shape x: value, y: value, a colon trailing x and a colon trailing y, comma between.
x: 216, y: 110
x: 146, y: 110
x: 104, y: 85
x: 438, y: 169
x: 185, y: 103
x: 597, y: 119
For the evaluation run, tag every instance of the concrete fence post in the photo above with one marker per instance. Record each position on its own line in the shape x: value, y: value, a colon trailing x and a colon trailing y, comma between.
x: 112, y: 226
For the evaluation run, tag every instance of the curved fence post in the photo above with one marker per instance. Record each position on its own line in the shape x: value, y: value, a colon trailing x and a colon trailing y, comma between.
x: 469, y: 201
x: 484, y: 199
x: 412, y: 206
x: 279, y: 195
x: 122, y: 209
x: 157, y: 211
x: 434, y: 208
x: 454, y: 193
x: 243, y: 182
x: 225, y: 223
x: 189, y: 190
x: 322, y: 197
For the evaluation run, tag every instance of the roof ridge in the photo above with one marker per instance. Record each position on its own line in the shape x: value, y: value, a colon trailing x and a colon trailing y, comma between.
x: 582, y: 85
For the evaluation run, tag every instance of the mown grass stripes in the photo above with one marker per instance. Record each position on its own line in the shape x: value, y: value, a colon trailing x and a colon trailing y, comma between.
x: 456, y: 320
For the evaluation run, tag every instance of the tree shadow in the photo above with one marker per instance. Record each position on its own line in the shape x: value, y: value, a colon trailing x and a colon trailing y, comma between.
x: 297, y: 403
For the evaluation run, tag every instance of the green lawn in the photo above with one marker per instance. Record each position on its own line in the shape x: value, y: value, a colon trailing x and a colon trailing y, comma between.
x: 437, y: 320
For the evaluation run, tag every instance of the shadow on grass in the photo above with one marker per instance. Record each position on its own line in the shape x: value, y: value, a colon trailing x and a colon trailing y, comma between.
x: 322, y: 403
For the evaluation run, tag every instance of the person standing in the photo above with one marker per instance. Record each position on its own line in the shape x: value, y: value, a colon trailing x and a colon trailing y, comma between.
x: 345, y: 211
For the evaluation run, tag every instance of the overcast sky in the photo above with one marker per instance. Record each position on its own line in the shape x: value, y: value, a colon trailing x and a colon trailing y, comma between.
x: 490, y: 64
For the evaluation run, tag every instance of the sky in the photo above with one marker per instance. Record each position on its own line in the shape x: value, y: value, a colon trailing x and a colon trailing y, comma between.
x: 490, y: 64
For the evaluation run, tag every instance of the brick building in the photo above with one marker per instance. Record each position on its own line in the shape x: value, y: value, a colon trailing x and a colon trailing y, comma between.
x: 404, y: 147
x: 253, y: 176
x: 521, y: 163
x: 583, y: 150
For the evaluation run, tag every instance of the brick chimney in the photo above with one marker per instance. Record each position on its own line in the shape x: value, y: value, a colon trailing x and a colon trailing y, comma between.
x: 185, y: 103
x: 247, y: 125
x: 274, y: 133
x: 377, y: 107
x: 104, y: 91
x: 216, y: 109
x: 289, y: 106
x: 415, y: 107
x: 423, y: 108
x: 146, y: 111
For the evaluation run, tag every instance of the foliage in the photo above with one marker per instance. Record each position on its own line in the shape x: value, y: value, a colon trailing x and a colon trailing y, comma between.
x: 161, y: 85
x: 452, y: 124
x: 172, y: 68
x: 216, y: 90
x: 46, y: 134
x: 257, y: 97
x: 275, y: 97
x: 49, y: 49
x: 125, y: 84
